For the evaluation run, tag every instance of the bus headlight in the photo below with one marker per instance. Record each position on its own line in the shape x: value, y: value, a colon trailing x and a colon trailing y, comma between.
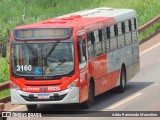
x: 13, y: 86
x: 73, y: 84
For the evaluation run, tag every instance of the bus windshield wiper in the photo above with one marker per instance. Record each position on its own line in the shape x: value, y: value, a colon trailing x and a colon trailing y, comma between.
x: 31, y: 50
x: 50, y: 52
x: 52, y: 49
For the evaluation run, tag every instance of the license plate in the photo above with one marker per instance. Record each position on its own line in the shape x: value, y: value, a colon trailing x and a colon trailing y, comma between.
x: 43, y: 96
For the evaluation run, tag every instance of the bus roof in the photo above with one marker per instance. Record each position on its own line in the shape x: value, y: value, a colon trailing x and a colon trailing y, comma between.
x: 118, y: 14
x: 85, y: 17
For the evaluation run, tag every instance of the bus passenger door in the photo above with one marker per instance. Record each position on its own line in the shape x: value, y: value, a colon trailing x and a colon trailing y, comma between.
x: 82, y: 57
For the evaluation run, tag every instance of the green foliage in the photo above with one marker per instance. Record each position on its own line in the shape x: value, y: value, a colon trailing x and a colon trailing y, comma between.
x: 146, y: 9
x: 4, y: 93
x: 4, y: 70
x: 150, y: 30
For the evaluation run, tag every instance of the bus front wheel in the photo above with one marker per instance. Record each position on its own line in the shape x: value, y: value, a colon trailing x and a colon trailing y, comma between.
x: 87, y: 104
x: 31, y: 107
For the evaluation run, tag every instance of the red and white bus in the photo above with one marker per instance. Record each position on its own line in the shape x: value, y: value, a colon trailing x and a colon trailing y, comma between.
x: 73, y: 58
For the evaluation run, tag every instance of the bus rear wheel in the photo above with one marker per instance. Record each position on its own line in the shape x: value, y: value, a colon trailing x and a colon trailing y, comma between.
x: 31, y: 107
x: 122, y: 86
x: 87, y: 104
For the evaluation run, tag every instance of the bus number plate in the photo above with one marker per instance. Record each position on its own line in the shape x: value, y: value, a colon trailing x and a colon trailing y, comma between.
x: 43, y: 96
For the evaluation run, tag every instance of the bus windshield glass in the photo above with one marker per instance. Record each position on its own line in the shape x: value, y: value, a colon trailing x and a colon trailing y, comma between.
x: 42, y: 59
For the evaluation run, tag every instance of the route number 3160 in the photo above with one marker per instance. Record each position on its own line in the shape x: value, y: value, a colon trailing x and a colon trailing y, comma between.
x: 24, y: 67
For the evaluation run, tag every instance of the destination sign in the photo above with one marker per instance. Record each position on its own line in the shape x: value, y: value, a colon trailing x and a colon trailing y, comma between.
x: 42, y: 33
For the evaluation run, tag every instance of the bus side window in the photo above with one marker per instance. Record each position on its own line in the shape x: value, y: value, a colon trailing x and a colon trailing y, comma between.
x: 82, y: 53
x: 135, y: 24
x: 128, y: 38
x: 96, y: 36
x: 113, y: 39
x: 90, y: 40
x: 101, y: 39
x: 130, y: 25
x: 116, y: 33
x: 100, y: 35
x: 121, y: 42
x: 119, y: 29
x: 108, y: 33
x: 134, y: 30
x: 123, y: 27
x: 98, y: 45
x: 115, y: 30
x: 104, y: 37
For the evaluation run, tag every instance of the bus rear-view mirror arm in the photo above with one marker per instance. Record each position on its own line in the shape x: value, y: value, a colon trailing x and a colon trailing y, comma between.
x: 4, y: 51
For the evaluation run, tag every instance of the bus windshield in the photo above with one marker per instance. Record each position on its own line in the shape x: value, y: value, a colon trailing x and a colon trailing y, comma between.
x: 42, y: 59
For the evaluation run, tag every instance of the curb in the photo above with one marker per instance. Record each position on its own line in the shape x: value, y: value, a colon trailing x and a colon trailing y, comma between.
x: 149, y: 37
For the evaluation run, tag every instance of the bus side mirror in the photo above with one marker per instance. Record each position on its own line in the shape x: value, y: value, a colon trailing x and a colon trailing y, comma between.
x: 4, y: 51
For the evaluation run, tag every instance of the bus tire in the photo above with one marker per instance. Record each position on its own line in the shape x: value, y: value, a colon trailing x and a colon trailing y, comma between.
x: 31, y: 107
x: 87, y: 104
x: 122, y: 86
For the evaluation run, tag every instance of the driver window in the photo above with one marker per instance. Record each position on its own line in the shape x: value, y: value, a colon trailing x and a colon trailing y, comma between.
x: 82, y: 53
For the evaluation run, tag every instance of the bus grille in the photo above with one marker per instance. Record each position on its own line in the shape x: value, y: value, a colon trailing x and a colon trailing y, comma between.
x: 52, y: 98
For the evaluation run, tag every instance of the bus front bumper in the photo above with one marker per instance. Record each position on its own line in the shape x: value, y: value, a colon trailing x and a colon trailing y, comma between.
x: 67, y: 96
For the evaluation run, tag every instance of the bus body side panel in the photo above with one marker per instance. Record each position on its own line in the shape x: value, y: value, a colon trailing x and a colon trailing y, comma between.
x: 129, y: 62
x: 111, y: 71
x: 113, y: 68
x: 99, y: 73
x: 83, y: 85
x: 136, y: 57
x: 128, y: 51
x: 115, y: 61
x: 132, y: 66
